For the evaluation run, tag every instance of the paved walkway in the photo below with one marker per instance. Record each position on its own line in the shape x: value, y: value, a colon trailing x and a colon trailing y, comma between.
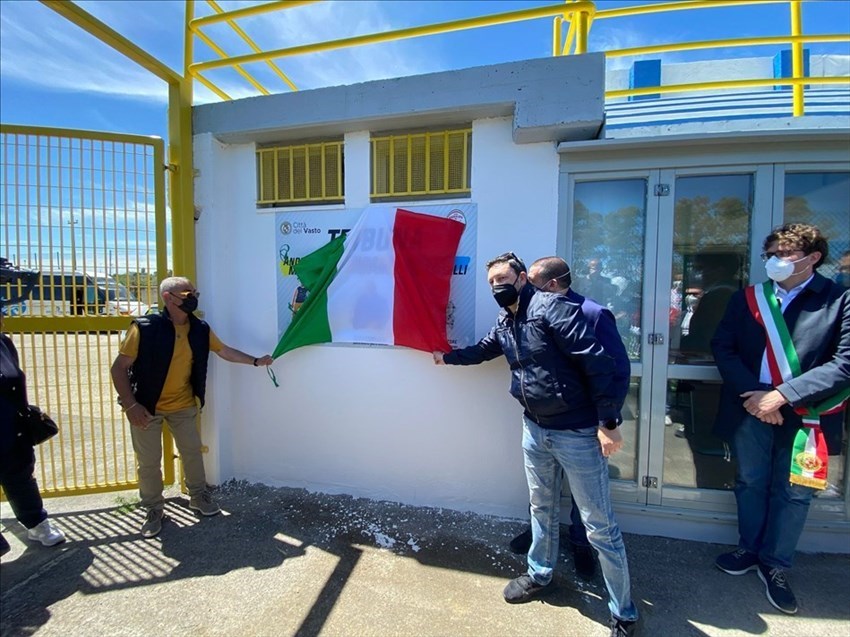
x: 286, y: 562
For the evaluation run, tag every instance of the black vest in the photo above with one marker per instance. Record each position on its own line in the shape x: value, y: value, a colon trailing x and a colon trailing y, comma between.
x: 156, y: 347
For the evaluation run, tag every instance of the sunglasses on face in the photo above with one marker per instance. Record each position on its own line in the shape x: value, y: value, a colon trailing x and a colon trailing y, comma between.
x: 184, y: 294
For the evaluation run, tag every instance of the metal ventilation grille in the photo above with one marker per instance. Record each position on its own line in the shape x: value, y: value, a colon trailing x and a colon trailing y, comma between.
x: 422, y: 165
x: 299, y: 174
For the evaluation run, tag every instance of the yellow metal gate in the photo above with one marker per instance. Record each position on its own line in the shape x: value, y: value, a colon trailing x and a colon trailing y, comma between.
x: 83, y: 218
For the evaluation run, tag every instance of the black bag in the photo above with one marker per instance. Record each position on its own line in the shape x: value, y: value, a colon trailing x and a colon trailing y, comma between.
x: 36, y: 425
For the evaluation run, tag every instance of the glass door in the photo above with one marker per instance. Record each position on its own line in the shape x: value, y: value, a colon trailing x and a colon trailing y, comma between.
x: 665, y: 250
x: 705, y: 253
x: 607, y: 255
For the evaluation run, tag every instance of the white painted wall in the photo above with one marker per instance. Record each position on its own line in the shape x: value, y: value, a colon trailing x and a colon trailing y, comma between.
x: 383, y: 423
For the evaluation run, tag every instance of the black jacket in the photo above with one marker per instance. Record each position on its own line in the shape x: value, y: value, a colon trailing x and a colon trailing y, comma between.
x: 818, y: 320
x: 560, y: 373
x: 156, y: 347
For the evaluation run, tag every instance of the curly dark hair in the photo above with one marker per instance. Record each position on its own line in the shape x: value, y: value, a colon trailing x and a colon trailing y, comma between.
x: 802, y: 236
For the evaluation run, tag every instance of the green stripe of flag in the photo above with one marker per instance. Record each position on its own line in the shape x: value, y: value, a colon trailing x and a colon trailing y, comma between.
x: 310, y: 323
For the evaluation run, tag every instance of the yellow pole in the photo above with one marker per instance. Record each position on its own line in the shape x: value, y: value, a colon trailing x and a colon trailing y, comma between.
x: 797, y: 56
x: 180, y: 163
x: 582, y: 24
x: 556, y: 35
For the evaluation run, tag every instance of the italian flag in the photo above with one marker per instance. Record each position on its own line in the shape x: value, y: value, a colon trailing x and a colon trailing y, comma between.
x: 386, y: 282
x: 809, y: 457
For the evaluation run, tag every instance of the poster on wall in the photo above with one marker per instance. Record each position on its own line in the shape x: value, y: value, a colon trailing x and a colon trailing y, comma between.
x: 301, y: 232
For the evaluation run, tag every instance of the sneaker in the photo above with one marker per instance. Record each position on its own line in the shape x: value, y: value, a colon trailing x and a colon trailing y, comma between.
x: 584, y: 560
x: 153, y: 523
x: 46, y: 533
x: 777, y: 588
x: 524, y: 589
x: 204, y: 504
x: 521, y: 543
x: 622, y: 628
x: 737, y: 562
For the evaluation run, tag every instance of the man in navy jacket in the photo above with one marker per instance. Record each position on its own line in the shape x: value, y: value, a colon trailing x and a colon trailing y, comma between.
x: 561, y: 376
x: 552, y: 274
x: 759, y: 411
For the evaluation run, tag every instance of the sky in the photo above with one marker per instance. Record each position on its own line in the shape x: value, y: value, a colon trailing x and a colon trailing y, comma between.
x: 52, y: 73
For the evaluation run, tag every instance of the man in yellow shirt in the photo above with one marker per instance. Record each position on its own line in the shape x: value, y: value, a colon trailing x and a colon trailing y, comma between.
x: 159, y: 373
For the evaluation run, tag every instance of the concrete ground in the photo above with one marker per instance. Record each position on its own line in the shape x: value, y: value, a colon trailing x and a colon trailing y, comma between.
x: 288, y: 562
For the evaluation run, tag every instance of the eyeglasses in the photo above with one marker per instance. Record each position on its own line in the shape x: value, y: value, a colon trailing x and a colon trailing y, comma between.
x: 782, y: 254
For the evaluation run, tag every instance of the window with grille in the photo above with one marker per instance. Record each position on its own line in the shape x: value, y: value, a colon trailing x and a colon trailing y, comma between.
x: 429, y: 165
x: 300, y: 174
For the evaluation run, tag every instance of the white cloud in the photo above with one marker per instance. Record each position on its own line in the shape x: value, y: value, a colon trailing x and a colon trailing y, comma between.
x: 41, y: 48
x: 315, y: 23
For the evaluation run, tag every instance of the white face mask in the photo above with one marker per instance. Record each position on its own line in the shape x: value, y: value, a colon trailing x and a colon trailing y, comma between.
x: 778, y: 269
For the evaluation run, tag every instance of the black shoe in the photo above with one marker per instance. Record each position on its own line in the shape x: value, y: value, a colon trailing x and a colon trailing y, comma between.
x: 521, y: 543
x: 622, y: 628
x: 737, y: 562
x: 584, y: 560
x: 524, y: 589
x: 777, y: 588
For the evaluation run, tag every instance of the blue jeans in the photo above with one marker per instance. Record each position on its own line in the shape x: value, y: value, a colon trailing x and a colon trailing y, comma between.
x: 578, y: 534
x: 771, y: 511
x: 546, y: 451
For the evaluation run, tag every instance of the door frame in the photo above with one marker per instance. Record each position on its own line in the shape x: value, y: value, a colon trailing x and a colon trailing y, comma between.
x: 587, y: 161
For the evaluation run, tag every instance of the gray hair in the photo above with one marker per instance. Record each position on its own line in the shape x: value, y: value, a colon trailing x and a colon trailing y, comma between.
x: 172, y: 283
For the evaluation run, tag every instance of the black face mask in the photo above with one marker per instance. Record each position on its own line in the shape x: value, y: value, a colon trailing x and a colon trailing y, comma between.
x: 505, y: 294
x: 189, y: 304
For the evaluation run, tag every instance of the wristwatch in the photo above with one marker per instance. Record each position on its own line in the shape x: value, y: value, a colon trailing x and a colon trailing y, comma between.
x: 611, y: 424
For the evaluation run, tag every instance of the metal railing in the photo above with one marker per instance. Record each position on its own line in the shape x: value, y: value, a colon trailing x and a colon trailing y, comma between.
x: 571, y: 35
x: 302, y: 173
x: 87, y: 211
x: 421, y: 164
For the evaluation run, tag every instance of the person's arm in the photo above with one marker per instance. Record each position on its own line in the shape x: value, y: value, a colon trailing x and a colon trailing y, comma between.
x: 575, y: 339
x: 826, y: 380
x: 486, y: 349
x: 736, y: 375
x: 233, y: 355
x: 724, y: 346
x: 608, y: 336
x: 136, y: 413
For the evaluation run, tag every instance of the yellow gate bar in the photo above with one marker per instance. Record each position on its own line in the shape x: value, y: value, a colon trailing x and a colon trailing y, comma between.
x: 729, y: 42
x: 400, y: 34
x: 88, y: 22
x: 238, y: 30
x: 258, y: 9
x: 724, y: 84
x: 679, y: 5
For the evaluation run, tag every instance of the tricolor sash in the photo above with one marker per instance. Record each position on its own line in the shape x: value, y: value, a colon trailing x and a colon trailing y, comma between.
x: 809, y: 457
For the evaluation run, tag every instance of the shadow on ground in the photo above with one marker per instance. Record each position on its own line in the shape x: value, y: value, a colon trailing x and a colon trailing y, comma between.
x: 287, y: 562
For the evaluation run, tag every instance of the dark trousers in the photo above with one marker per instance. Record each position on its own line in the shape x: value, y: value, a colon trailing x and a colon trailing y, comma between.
x: 16, y: 477
x: 771, y: 511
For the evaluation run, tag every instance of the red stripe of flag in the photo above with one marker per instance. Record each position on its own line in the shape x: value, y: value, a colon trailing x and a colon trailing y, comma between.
x: 425, y: 248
